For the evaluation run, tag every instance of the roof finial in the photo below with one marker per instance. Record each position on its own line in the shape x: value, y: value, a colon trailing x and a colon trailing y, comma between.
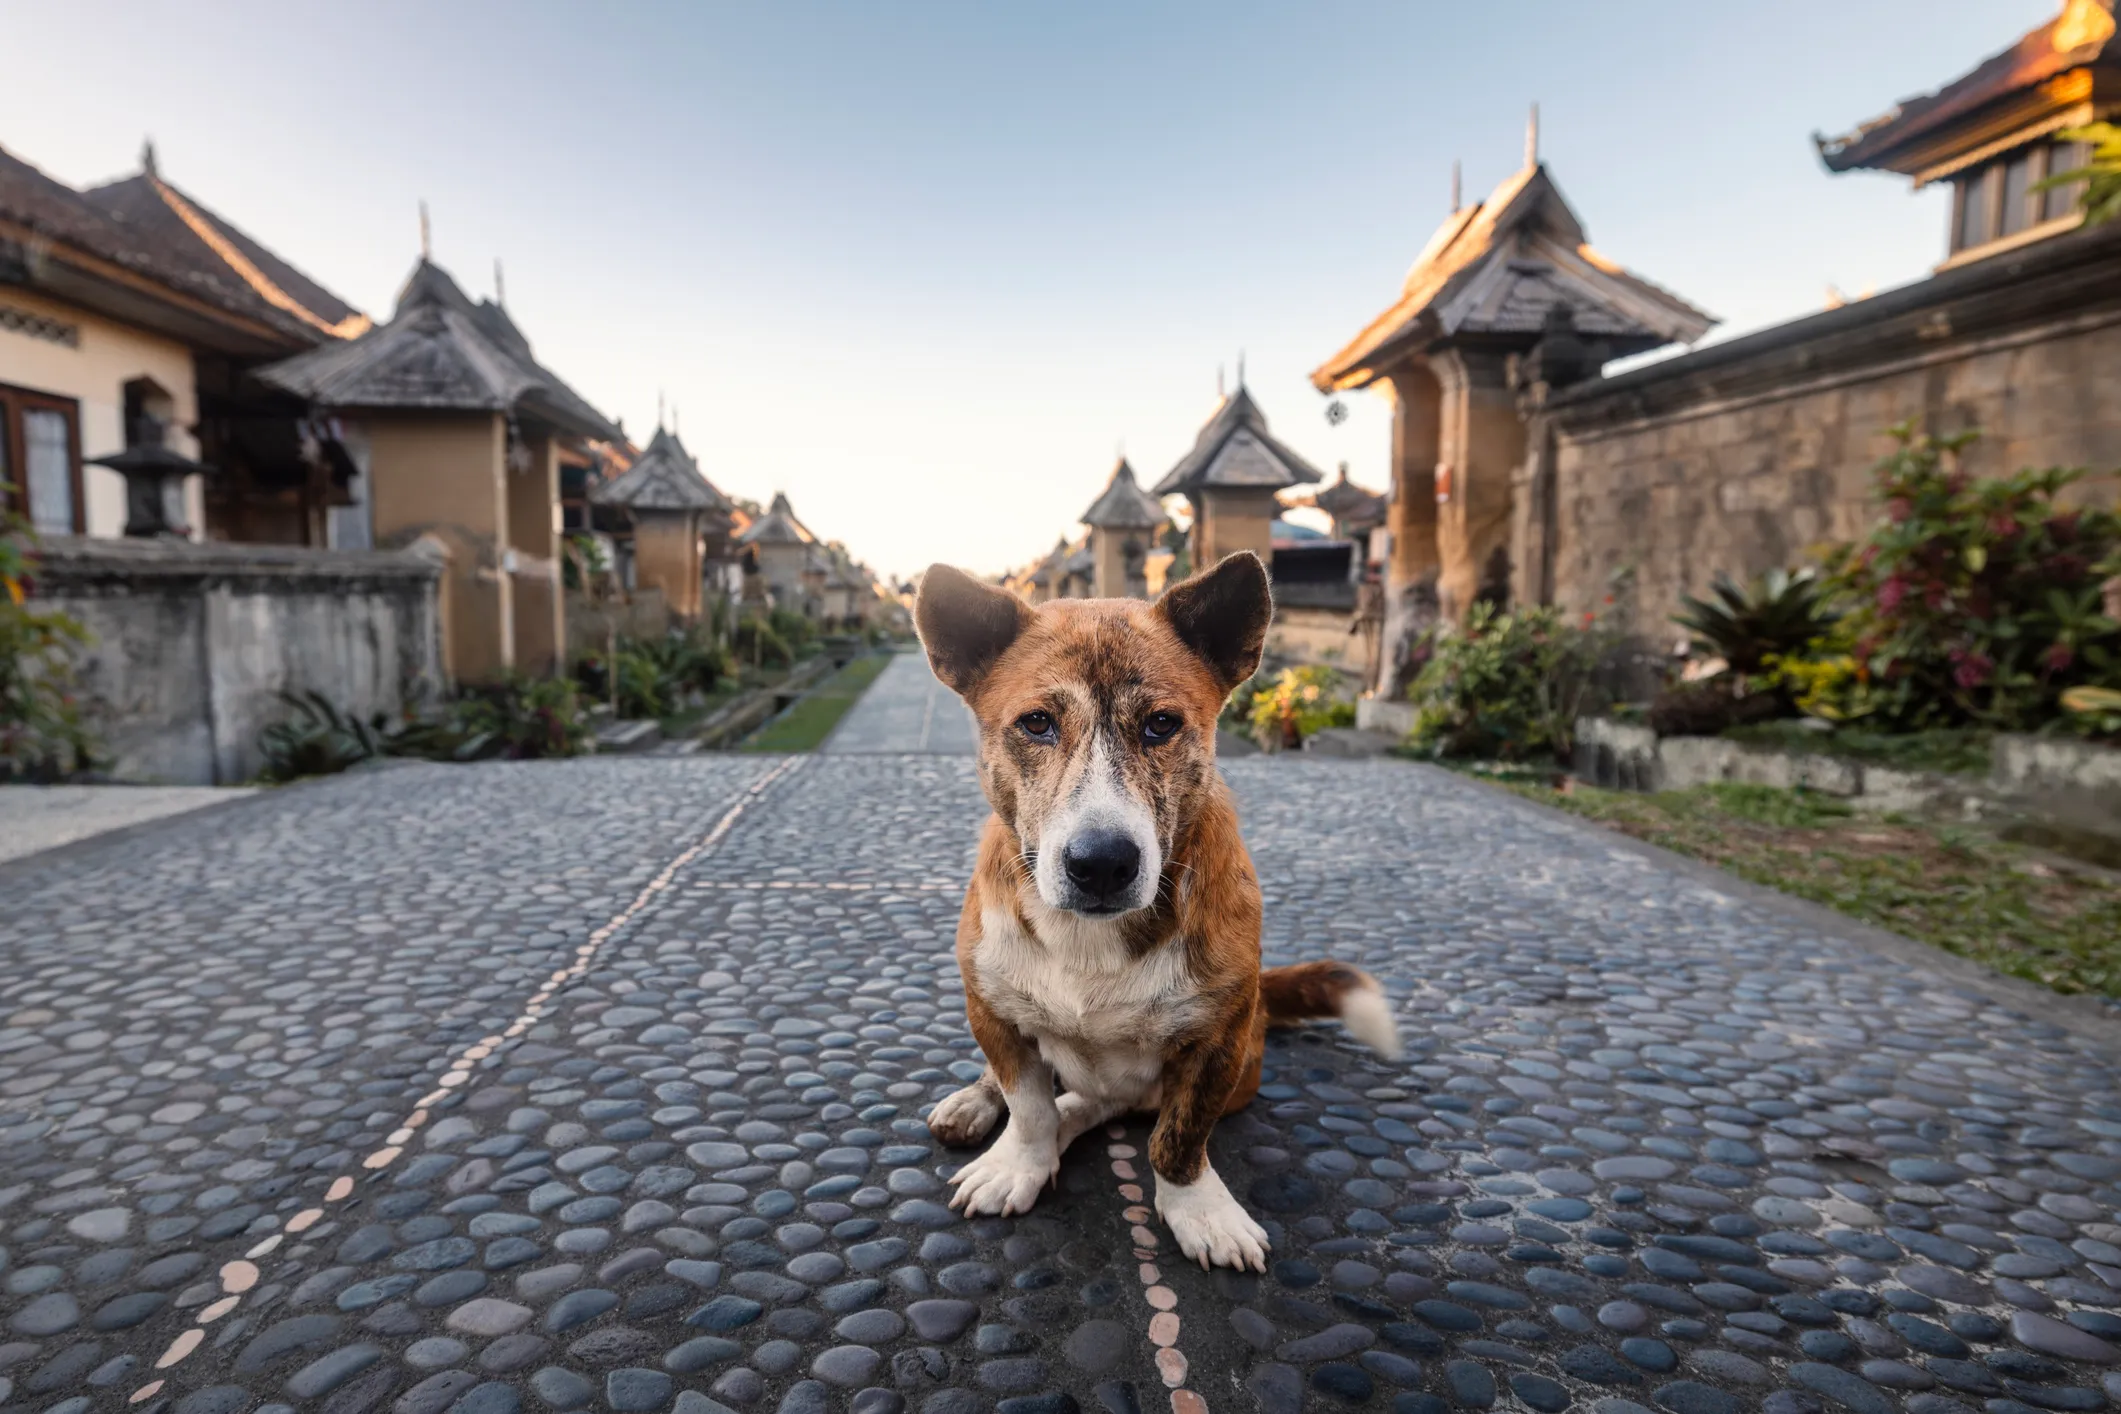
x: 147, y: 157
x: 500, y: 285
x: 659, y: 409
x: 1531, y: 139
x: 426, y: 242
x: 673, y: 419
x: 1457, y: 198
x: 1240, y: 370
x: 1219, y: 382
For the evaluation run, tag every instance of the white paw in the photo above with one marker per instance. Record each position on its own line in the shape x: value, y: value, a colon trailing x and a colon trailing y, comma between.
x: 966, y: 1116
x: 1212, y: 1228
x: 1007, y: 1178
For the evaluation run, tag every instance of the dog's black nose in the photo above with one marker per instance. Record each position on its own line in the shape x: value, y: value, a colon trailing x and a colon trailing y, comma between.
x: 1102, y: 862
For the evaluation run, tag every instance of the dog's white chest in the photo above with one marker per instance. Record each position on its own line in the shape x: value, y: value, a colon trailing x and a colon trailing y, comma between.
x: 1099, y: 1015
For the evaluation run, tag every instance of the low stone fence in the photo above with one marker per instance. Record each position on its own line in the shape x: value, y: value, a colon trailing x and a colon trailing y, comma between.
x: 194, y: 643
x: 2054, y: 790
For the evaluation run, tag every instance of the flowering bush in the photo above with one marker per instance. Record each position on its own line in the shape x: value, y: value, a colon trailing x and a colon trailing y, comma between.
x: 1507, y: 686
x: 1298, y: 702
x: 42, y: 731
x: 1976, y: 601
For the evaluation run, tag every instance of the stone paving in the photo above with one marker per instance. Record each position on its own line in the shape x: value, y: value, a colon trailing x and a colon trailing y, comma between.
x: 598, y: 1085
x: 905, y: 710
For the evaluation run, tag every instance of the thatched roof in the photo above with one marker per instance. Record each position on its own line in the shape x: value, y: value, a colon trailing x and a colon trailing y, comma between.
x: 778, y: 526
x: 439, y: 351
x: 665, y: 477
x: 1497, y: 268
x: 1235, y: 449
x: 1123, y: 505
x: 1348, y: 503
x: 2024, y: 92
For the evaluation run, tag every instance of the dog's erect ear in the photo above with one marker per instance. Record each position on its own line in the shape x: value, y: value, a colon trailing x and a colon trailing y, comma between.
x: 965, y: 625
x: 1223, y: 616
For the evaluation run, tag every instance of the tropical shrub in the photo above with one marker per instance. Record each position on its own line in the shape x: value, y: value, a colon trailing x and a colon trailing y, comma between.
x: 1507, y: 686
x: 43, y: 733
x: 655, y: 675
x: 1777, y: 615
x: 1296, y: 703
x: 761, y: 644
x: 1976, y: 601
x: 318, y: 740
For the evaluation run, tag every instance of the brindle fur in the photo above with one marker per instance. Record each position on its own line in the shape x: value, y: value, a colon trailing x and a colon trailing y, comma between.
x: 1103, y: 667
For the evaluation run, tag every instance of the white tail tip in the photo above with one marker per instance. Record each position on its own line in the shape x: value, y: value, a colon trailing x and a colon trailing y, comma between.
x: 1368, y: 1016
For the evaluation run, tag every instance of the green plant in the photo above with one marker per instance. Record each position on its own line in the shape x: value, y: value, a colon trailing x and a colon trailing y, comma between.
x: 518, y: 719
x: 1777, y: 615
x: 2096, y: 711
x: 1298, y: 702
x: 760, y: 643
x: 1976, y: 601
x: 43, y: 732
x: 2101, y: 175
x: 318, y: 740
x: 1507, y: 686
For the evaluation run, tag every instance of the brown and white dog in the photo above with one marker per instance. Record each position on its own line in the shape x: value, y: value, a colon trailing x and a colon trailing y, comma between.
x: 1110, y: 937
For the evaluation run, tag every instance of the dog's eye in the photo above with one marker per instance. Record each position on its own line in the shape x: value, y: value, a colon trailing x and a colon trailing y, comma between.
x: 1160, y: 726
x: 1037, y: 725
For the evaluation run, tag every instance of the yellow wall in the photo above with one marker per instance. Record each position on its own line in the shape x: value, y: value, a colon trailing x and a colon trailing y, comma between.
x: 1232, y: 520
x: 666, y: 554
x: 441, y: 474
x: 94, y: 373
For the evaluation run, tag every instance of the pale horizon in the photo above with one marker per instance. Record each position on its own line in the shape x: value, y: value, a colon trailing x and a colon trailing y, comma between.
x: 929, y: 271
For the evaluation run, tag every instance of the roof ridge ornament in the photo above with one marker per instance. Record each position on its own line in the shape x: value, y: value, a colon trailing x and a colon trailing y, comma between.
x: 1531, y: 139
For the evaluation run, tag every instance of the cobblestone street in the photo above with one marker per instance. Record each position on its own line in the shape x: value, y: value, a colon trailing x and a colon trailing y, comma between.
x: 599, y: 1085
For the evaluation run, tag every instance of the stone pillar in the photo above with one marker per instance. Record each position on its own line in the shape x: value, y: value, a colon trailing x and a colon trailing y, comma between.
x: 1482, y: 444
x: 1108, y: 556
x: 442, y: 475
x: 1411, y: 556
x: 534, y: 545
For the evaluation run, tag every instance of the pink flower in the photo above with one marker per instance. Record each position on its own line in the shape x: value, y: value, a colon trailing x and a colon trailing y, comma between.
x: 2058, y: 657
x: 1969, y: 669
x: 1891, y: 593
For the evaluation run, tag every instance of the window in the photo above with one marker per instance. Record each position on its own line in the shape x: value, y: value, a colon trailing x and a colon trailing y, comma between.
x: 40, y: 457
x: 1997, y: 198
x: 2017, y: 182
x: 1976, y: 209
x: 2064, y: 157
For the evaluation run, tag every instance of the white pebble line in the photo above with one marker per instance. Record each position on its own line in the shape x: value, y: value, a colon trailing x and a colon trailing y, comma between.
x: 1163, y: 1326
x: 241, y: 1275
x: 832, y: 885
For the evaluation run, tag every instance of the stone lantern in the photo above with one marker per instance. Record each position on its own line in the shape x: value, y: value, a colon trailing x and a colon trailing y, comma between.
x: 154, y: 482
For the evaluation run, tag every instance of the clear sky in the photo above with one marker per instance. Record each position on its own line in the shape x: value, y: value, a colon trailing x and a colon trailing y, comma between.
x: 927, y: 266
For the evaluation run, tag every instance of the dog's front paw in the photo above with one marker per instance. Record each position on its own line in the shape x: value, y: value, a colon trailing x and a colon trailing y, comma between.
x: 1007, y: 1178
x: 965, y: 1117
x: 1212, y: 1228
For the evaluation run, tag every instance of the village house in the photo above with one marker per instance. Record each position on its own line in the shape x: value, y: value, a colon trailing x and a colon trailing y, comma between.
x: 1521, y: 474
x: 1743, y: 456
x: 1123, y: 521
x: 671, y: 526
x: 1504, y: 283
x: 454, y: 431
x: 131, y: 318
x: 783, y: 568
x: 1232, y: 479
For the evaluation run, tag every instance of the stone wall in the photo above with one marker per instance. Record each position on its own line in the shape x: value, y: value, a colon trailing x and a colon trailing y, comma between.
x: 194, y: 643
x: 1745, y: 455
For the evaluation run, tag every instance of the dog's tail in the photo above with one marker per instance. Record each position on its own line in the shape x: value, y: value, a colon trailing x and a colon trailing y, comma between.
x: 1312, y: 990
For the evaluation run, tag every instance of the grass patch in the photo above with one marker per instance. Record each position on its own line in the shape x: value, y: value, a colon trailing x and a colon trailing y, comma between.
x: 811, y: 718
x: 1956, y: 751
x: 1954, y: 887
x: 679, y: 725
